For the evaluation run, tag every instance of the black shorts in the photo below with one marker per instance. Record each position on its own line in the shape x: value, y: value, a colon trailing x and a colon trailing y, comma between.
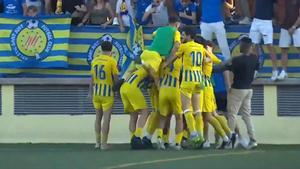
x: 221, y: 100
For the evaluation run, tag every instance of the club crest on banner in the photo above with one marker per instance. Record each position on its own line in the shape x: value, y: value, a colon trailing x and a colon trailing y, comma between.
x: 32, y: 40
x: 120, y: 51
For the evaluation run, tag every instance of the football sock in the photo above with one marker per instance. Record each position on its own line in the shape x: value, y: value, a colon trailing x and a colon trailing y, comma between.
x: 199, y: 124
x: 178, y: 138
x: 138, y: 132
x: 222, y: 120
x: 166, y: 137
x: 98, y: 137
x: 217, y: 126
x: 104, y: 139
x: 190, y: 121
x: 160, y: 133
x: 153, y: 121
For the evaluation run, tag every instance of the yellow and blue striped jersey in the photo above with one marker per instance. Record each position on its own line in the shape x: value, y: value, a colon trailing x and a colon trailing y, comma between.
x: 193, y: 56
x: 208, y: 64
x: 103, y: 68
x: 138, y: 77
x: 170, y: 76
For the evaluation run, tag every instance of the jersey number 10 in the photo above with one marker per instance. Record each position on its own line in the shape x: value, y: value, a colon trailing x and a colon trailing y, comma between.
x: 196, y: 58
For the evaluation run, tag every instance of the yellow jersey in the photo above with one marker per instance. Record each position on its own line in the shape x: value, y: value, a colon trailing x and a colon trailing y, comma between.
x: 193, y: 56
x: 103, y: 68
x: 170, y: 76
x: 208, y: 64
x: 138, y: 77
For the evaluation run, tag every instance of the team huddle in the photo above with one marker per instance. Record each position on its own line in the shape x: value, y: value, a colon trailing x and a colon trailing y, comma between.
x: 176, y: 69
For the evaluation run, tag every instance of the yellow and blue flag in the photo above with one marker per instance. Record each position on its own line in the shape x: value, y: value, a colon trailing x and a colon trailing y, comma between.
x: 29, y: 42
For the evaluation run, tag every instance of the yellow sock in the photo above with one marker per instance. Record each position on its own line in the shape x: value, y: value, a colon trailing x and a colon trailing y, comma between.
x: 98, y: 137
x: 152, y: 123
x: 199, y: 124
x: 190, y: 122
x: 138, y: 132
x: 178, y: 138
x: 166, y: 137
x: 104, y: 139
x: 159, y: 133
x: 222, y: 120
x: 217, y: 126
x: 185, y: 134
x: 131, y: 134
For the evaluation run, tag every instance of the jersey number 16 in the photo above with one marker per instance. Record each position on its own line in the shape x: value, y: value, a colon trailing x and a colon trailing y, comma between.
x: 100, y: 73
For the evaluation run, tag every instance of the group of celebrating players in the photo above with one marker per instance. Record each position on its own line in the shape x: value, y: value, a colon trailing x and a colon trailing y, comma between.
x: 177, y: 70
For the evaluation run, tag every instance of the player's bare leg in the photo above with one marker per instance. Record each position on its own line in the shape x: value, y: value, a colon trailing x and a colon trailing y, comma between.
x: 178, y: 131
x: 132, y: 123
x: 190, y: 120
x: 218, y: 128
x: 105, y: 128
x: 98, y: 120
x: 162, y: 123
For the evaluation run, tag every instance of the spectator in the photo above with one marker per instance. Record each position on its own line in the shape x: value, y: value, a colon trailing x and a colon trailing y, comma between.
x: 13, y: 7
x: 112, y: 4
x: 39, y: 4
x: 32, y: 11
x: 244, y: 11
x: 158, y: 12
x: 99, y: 14
x: 48, y: 7
x: 228, y: 8
x: 140, y: 11
x: 1, y: 6
x: 262, y: 27
x: 68, y: 6
x: 187, y: 12
x: 240, y: 94
x: 172, y: 6
x: 290, y: 29
x: 75, y: 8
x: 212, y: 22
x: 124, y: 13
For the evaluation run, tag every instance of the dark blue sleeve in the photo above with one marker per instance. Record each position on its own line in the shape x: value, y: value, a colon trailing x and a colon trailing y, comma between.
x: 193, y: 8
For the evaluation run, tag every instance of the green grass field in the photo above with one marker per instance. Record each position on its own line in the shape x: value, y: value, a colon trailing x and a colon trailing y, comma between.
x: 84, y: 156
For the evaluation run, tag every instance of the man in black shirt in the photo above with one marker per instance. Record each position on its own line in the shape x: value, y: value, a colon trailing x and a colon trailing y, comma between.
x: 262, y: 28
x: 240, y: 94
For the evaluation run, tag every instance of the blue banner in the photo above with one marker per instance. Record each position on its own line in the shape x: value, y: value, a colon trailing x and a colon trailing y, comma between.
x: 34, y: 42
x: 83, y: 45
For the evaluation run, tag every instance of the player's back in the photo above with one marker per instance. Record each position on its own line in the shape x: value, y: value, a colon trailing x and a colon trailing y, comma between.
x: 208, y: 65
x: 102, y: 69
x: 193, y: 55
x: 170, y: 76
x: 163, y: 40
x: 137, y: 78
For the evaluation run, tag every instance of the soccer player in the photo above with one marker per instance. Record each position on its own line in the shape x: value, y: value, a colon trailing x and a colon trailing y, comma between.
x: 165, y: 43
x: 193, y: 55
x: 208, y: 101
x: 104, y: 74
x: 169, y: 102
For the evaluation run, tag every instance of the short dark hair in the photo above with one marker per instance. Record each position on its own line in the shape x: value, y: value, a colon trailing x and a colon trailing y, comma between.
x: 106, y: 46
x: 199, y: 39
x: 32, y: 8
x: 190, y: 30
x: 246, y: 40
x: 173, y: 19
x: 245, y: 44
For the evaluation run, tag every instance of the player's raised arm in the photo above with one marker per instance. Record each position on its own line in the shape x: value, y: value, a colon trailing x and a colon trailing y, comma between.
x: 173, y: 54
x: 212, y: 56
